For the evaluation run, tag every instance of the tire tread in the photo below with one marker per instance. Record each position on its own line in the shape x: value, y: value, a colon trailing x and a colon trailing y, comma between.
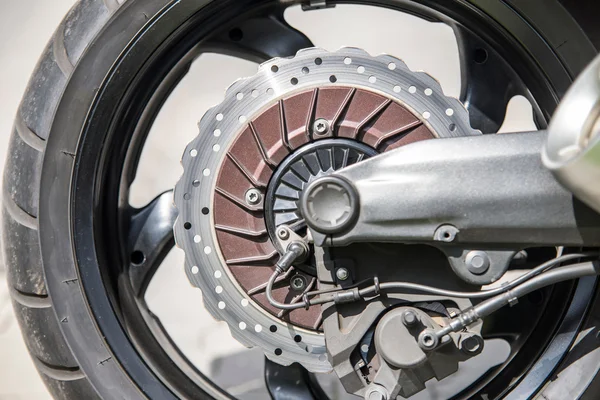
x: 20, y: 195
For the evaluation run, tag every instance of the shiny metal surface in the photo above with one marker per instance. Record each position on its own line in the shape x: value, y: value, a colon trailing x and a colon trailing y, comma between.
x: 572, y: 151
x: 194, y: 193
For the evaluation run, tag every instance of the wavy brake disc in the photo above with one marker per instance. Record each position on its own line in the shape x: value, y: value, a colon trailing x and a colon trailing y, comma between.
x: 295, y: 120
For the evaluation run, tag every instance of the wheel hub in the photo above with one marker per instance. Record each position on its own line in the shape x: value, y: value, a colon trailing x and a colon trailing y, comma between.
x: 297, y: 120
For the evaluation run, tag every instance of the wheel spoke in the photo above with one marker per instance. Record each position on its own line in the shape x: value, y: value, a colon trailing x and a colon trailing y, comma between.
x: 292, y: 382
x: 487, y: 82
x: 150, y: 239
x: 260, y: 38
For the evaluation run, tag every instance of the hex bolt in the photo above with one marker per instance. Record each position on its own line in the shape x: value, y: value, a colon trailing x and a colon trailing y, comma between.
x: 342, y: 274
x: 283, y: 233
x: 253, y: 196
x: 409, y: 318
x: 478, y: 262
x: 298, y: 282
x: 321, y: 127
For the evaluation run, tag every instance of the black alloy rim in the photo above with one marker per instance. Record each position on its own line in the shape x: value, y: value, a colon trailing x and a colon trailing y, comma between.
x: 116, y: 129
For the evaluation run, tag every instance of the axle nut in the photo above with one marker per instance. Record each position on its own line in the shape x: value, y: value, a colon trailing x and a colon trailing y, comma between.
x: 330, y: 205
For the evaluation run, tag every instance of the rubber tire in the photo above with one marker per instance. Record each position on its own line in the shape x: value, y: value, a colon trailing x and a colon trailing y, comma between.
x: 41, y: 327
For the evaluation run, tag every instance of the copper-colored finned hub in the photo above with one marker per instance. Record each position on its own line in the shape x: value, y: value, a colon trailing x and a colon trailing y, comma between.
x: 261, y: 146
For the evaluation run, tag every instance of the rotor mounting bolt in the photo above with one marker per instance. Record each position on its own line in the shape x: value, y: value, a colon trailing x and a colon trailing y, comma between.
x: 283, y: 233
x: 298, y: 282
x: 478, y: 262
x: 321, y: 127
x: 253, y: 197
x: 409, y: 318
x: 342, y: 274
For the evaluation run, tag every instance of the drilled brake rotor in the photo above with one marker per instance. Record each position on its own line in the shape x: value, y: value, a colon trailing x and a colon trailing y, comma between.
x: 295, y: 120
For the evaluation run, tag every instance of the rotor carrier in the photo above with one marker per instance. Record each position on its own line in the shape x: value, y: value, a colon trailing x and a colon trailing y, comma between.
x: 296, y: 120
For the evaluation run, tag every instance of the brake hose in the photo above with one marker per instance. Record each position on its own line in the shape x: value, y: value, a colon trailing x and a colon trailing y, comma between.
x: 354, y: 293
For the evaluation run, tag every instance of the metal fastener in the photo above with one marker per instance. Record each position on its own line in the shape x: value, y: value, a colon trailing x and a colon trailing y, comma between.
x: 376, y: 392
x: 445, y: 233
x: 342, y: 274
x: 283, y: 233
x: 409, y: 318
x: 471, y: 345
x: 253, y: 196
x: 478, y: 262
x: 321, y: 127
x: 298, y: 282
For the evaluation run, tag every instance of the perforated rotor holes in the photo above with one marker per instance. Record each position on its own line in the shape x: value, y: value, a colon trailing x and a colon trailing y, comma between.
x: 282, y: 78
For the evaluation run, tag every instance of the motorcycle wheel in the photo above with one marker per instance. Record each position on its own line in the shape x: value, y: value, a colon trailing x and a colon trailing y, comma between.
x: 79, y: 132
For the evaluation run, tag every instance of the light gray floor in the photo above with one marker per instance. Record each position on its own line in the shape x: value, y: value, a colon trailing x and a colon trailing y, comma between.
x: 25, y: 27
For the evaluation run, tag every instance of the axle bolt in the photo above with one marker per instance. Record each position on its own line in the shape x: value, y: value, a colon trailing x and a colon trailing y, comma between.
x: 342, y: 274
x: 478, y: 262
x: 298, y: 282
x: 283, y: 233
x: 321, y: 127
x: 253, y: 196
x: 409, y: 318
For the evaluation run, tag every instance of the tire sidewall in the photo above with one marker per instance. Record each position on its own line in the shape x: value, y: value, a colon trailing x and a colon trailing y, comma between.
x: 113, y: 373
